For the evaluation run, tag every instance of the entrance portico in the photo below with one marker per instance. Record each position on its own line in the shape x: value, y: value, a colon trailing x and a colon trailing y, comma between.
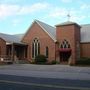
x: 64, y: 55
x: 17, y: 51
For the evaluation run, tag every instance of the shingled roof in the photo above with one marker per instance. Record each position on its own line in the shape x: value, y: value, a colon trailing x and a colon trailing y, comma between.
x: 51, y: 31
x: 11, y: 38
x: 85, y: 30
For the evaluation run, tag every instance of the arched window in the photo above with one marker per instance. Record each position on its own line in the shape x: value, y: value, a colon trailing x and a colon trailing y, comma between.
x: 65, y: 44
x: 35, y: 48
x: 47, y: 52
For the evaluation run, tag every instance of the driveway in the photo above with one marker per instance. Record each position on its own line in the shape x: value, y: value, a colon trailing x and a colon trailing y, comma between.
x: 47, y: 71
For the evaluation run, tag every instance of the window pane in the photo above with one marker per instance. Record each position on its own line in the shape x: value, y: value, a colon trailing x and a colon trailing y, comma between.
x: 32, y: 50
x: 47, y: 52
x: 38, y: 48
x: 35, y: 49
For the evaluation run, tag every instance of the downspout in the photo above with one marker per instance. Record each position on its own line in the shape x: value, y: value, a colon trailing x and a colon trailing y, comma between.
x: 55, y: 50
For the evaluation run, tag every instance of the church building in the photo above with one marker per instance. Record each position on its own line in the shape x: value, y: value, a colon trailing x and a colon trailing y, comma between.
x: 65, y: 43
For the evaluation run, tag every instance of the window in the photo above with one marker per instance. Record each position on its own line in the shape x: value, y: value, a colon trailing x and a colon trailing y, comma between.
x: 35, y: 48
x: 47, y: 52
x: 65, y: 44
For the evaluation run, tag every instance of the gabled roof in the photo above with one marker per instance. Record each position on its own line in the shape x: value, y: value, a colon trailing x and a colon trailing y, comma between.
x: 51, y: 31
x: 11, y: 38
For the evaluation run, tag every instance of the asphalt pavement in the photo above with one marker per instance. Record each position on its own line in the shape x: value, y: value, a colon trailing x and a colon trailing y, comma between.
x: 44, y: 77
x: 11, y: 82
x: 47, y: 71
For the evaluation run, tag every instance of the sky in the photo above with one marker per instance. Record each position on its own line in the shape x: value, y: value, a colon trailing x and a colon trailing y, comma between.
x: 16, y: 16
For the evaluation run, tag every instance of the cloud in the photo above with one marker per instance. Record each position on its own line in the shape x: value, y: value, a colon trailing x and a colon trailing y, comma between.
x: 16, y: 22
x: 33, y: 8
x: 85, y: 6
x: 12, y: 9
x: 10, y: 1
x: 58, y: 12
x: 78, y: 18
x: 7, y: 10
x: 61, y: 13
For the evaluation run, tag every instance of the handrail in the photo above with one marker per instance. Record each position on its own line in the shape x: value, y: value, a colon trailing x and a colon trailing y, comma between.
x: 5, y: 58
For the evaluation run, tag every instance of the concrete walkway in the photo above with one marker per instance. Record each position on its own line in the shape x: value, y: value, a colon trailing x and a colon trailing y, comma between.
x: 47, y: 71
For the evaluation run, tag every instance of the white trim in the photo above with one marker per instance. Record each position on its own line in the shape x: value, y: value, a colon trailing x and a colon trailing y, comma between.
x: 42, y: 28
x: 35, y: 46
x: 46, y: 32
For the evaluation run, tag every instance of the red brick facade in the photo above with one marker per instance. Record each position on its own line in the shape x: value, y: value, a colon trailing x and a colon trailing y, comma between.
x: 70, y: 32
x: 67, y: 41
x: 2, y: 47
x: 85, y: 49
x: 35, y: 31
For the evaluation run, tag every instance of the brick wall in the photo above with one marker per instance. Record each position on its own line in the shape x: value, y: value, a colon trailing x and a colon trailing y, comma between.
x: 35, y: 31
x: 72, y: 34
x: 85, y: 50
x: 2, y: 47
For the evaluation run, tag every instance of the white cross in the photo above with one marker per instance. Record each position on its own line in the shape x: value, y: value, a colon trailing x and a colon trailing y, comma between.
x: 68, y: 16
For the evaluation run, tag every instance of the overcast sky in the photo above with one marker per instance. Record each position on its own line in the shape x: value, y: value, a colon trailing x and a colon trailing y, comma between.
x: 16, y: 16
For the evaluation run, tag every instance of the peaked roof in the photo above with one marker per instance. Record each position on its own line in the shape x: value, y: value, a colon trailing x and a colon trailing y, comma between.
x: 51, y: 31
x: 85, y: 30
x: 11, y: 38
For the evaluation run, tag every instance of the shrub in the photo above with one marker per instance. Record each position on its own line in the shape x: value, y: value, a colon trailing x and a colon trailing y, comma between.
x: 32, y: 62
x: 40, y: 59
x: 55, y: 62
x: 83, y: 61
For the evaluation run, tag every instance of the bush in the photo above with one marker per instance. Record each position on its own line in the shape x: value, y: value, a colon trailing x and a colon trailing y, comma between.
x: 83, y: 61
x: 40, y: 59
x: 55, y: 62
x: 32, y: 62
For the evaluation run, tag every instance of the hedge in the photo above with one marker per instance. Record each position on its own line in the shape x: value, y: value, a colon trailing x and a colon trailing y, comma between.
x: 83, y: 61
x: 40, y: 59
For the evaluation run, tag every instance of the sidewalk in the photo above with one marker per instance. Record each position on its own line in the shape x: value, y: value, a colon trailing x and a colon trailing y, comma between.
x: 47, y: 71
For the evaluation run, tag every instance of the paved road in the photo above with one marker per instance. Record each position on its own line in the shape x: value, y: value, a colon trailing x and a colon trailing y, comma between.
x: 47, y: 71
x: 44, y: 77
x: 12, y: 82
